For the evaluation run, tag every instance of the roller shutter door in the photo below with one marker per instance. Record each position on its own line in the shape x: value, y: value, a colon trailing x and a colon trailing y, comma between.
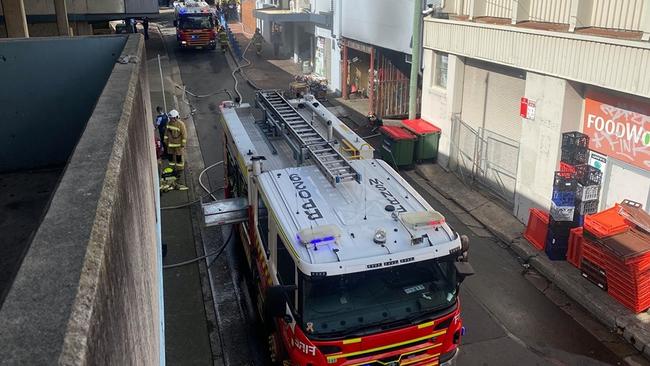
x: 491, y: 97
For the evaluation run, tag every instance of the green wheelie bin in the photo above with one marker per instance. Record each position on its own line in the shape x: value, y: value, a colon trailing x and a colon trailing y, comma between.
x: 428, y: 137
x: 397, y: 145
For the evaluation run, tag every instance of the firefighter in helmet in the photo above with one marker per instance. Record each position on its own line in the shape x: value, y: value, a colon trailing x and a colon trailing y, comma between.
x: 258, y: 40
x: 223, y: 39
x: 175, y: 140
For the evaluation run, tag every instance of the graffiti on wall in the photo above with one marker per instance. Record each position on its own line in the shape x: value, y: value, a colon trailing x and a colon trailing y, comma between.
x: 619, y: 128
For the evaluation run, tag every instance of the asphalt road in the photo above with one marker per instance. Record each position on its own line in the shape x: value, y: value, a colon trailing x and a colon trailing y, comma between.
x: 509, y: 320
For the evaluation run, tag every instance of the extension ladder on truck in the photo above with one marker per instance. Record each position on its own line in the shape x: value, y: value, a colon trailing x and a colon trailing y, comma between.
x: 334, y: 165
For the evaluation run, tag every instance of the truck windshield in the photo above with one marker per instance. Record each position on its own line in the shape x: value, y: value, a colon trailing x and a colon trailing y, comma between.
x: 195, y: 22
x: 366, y: 302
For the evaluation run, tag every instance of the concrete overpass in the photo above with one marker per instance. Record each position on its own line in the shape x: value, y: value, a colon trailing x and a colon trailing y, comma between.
x: 24, y: 18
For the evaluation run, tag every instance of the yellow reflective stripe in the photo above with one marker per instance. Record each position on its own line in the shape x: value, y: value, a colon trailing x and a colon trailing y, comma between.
x: 350, y: 341
x: 173, y: 145
x: 424, y: 325
x: 413, y: 360
x: 172, y: 164
x: 180, y: 164
x: 336, y: 357
x: 173, y: 128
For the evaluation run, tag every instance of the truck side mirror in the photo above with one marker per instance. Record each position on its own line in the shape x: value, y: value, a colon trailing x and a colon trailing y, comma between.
x: 464, y: 247
x: 463, y: 270
x: 276, y: 300
x: 175, y: 23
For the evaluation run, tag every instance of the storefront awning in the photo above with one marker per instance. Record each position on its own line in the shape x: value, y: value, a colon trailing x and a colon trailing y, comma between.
x: 287, y: 16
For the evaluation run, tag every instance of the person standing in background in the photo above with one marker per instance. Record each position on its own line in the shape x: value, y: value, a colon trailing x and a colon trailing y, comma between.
x: 145, y: 26
x: 276, y: 39
x: 161, y: 124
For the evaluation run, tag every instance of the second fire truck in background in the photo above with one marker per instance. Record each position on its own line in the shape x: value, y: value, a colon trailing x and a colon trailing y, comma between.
x: 195, y: 23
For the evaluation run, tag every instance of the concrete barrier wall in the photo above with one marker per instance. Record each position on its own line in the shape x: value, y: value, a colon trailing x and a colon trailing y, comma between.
x: 87, y: 292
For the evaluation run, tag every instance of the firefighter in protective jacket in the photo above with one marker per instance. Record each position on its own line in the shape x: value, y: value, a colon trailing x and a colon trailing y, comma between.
x: 175, y: 140
x: 223, y: 39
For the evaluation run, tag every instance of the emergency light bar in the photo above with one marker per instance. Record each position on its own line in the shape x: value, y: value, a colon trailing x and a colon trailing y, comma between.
x: 422, y: 220
x: 312, y: 237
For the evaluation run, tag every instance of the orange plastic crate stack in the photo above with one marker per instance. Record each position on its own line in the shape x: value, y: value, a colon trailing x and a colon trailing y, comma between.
x: 574, y: 253
x: 606, y: 223
x: 628, y: 280
x: 594, y: 253
x: 537, y: 228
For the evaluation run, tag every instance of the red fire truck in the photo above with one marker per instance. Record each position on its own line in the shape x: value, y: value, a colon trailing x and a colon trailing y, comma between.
x: 195, y: 23
x: 352, y: 265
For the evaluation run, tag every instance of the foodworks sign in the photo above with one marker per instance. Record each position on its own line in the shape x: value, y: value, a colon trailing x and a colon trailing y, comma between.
x: 619, y: 128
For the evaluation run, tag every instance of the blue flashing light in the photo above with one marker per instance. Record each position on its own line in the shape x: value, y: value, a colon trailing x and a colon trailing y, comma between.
x: 323, y: 239
x: 182, y: 10
x: 318, y: 240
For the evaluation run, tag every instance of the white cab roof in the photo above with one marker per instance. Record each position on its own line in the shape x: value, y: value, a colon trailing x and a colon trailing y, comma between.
x: 302, y: 198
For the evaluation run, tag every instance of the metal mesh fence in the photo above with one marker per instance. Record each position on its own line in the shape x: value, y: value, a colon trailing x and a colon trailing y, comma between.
x: 480, y: 156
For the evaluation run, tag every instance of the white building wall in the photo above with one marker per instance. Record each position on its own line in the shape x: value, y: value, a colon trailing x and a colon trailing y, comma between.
x: 438, y: 105
x: 379, y: 22
x: 335, y: 58
x: 540, y: 144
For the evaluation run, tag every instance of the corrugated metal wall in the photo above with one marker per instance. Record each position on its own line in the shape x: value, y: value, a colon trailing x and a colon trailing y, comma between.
x: 617, y: 14
x: 552, y: 11
x: 465, y: 5
x: 497, y: 8
x: 623, y: 65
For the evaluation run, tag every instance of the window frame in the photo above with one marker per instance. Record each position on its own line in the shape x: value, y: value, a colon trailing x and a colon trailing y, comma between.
x: 436, y: 73
x: 281, y: 245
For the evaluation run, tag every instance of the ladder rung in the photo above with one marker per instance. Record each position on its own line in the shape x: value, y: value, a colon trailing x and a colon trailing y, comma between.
x: 346, y: 176
x: 321, y: 151
x: 333, y: 162
x: 327, y: 156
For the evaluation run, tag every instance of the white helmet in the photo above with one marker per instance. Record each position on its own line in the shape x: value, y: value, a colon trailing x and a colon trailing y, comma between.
x: 173, y: 113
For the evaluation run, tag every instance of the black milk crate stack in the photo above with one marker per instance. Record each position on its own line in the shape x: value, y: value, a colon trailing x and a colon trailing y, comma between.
x: 575, y: 194
x: 587, y: 179
x: 564, y: 193
x: 557, y: 238
x: 575, y: 148
x: 561, y: 217
x: 587, y: 175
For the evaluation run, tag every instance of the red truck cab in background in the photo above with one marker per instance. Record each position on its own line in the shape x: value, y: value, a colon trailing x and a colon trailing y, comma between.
x: 195, y: 23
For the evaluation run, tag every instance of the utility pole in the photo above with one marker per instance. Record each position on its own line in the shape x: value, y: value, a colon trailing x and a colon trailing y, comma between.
x: 415, y: 59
